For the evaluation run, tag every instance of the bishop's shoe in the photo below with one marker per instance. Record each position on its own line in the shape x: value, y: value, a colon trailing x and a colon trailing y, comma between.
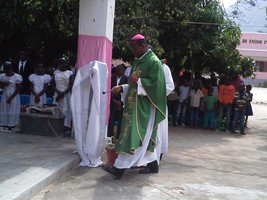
x: 117, y: 173
x: 151, y: 167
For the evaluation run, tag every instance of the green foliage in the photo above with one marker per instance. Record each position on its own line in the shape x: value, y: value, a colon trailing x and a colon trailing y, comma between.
x: 38, y: 25
x: 247, y: 66
x: 191, y: 34
x: 132, y: 17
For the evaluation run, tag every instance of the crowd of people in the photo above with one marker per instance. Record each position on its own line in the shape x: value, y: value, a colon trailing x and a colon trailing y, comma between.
x: 22, y: 77
x: 138, y: 104
x: 211, y: 103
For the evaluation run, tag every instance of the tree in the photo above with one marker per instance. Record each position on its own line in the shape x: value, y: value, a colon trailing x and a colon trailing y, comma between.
x: 191, y: 34
x: 195, y: 31
x: 44, y: 27
x: 132, y: 17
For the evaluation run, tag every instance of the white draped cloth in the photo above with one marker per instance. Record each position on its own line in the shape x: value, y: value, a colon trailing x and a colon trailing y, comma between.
x: 88, y: 105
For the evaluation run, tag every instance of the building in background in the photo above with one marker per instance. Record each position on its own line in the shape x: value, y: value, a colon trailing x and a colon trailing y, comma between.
x: 251, y: 16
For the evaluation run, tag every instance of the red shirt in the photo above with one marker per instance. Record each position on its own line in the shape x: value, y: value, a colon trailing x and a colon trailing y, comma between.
x: 226, y: 94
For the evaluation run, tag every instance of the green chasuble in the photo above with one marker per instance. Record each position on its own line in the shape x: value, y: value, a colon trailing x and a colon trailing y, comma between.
x: 137, y: 108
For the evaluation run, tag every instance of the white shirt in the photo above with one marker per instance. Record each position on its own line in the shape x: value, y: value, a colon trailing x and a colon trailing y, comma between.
x: 183, y: 93
x: 195, y: 98
x: 128, y: 71
x: 118, y: 80
x: 62, y: 79
x: 39, y: 81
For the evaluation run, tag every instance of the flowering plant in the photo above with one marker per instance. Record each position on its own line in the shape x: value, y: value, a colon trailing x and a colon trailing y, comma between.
x: 110, y: 142
x: 110, y: 150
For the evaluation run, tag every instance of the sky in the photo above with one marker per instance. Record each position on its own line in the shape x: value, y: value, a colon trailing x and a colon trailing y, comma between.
x: 228, y: 3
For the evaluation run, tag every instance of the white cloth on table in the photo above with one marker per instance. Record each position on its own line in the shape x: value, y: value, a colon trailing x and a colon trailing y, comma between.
x: 88, y: 105
x: 38, y: 82
x: 62, y: 79
x: 9, y: 113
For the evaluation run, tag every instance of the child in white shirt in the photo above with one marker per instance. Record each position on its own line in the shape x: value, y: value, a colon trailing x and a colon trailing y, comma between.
x: 62, y: 84
x: 39, y: 83
x: 10, y: 82
x: 195, y: 97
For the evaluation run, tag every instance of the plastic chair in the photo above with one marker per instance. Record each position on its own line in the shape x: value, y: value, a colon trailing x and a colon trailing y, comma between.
x: 49, y: 100
x: 24, y: 99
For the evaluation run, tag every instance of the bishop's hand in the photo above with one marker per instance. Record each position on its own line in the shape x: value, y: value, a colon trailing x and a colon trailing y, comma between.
x: 116, y: 89
x: 133, y: 78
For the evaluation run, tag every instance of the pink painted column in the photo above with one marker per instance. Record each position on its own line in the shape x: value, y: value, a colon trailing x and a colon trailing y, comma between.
x: 96, y: 20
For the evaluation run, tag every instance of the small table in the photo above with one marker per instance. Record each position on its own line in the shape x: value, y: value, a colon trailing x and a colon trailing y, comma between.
x: 41, y: 124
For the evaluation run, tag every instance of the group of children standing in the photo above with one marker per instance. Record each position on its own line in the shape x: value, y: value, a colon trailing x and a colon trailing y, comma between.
x: 11, y: 83
x: 196, y: 105
x: 207, y: 105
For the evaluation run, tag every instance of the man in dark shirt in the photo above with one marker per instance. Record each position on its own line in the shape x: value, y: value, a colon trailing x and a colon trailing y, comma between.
x: 116, y: 104
x: 24, y: 68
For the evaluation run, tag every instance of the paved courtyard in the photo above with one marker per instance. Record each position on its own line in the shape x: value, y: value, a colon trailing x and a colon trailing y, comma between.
x: 200, y: 165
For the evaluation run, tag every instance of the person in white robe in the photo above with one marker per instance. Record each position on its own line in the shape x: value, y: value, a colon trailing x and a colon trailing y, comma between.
x: 39, y: 83
x: 141, y: 155
x: 10, y: 82
x: 62, y: 84
x: 162, y: 135
x: 89, y: 111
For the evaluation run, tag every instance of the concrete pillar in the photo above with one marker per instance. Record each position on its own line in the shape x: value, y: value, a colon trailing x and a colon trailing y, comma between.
x: 96, y: 20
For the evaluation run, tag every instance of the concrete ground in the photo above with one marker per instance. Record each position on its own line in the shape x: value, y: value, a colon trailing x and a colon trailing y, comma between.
x: 29, y: 162
x: 200, y: 165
